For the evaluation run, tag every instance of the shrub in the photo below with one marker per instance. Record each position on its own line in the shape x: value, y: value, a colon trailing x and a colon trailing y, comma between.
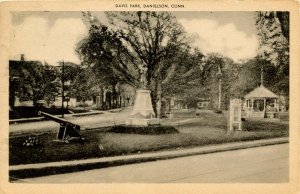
x: 147, y: 130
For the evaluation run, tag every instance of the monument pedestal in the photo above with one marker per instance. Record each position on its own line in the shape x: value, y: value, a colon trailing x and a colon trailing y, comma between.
x: 142, y: 113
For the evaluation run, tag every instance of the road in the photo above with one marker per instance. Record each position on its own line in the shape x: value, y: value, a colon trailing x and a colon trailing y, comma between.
x: 91, y: 121
x: 267, y: 164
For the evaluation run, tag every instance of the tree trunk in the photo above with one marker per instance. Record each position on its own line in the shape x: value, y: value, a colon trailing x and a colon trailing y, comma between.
x: 101, y: 98
x: 114, y: 96
x: 158, y: 96
x: 120, y: 101
x: 104, y: 99
x: 109, y: 101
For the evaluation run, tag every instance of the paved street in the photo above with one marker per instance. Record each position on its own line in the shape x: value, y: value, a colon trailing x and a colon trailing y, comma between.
x: 91, y: 121
x: 267, y: 164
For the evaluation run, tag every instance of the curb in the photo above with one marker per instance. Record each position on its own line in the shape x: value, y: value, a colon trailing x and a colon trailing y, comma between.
x: 43, y: 169
x: 87, y: 114
x: 24, y: 120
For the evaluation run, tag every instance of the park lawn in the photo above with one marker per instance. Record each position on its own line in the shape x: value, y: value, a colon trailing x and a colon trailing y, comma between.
x: 190, y: 131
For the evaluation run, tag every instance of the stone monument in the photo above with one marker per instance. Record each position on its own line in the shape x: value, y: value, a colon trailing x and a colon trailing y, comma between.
x: 235, y: 114
x: 142, y: 113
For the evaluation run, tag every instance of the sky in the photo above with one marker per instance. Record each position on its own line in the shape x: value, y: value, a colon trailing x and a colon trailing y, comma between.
x: 52, y: 36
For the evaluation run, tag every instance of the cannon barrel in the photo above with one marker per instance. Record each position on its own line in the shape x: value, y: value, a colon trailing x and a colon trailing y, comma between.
x: 54, y: 118
x: 67, y: 130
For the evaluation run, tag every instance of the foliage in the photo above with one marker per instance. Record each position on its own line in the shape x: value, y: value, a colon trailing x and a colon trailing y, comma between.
x: 274, y: 37
x: 84, y: 84
x: 273, y: 30
x: 249, y: 77
x: 104, y: 53
x: 31, y: 80
x: 157, y: 42
x: 197, y: 77
x: 149, y: 37
x: 138, y: 40
x: 217, y: 68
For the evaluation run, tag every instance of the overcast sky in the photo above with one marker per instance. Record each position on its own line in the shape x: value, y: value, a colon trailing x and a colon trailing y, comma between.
x: 52, y: 36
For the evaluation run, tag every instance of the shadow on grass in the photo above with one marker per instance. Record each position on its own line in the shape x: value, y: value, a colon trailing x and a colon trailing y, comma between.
x: 146, y: 130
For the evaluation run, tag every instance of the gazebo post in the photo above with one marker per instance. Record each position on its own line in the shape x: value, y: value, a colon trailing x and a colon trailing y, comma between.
x: 276, y: 105
x: 265, y: 101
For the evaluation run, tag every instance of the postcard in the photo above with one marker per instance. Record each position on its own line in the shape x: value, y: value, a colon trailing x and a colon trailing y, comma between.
x: 149, y: 96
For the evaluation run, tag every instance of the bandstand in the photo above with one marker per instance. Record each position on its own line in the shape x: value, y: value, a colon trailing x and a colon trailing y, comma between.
x: 261, y: 103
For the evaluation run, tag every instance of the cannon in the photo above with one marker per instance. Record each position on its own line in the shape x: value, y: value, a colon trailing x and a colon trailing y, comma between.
x: 67, y: 131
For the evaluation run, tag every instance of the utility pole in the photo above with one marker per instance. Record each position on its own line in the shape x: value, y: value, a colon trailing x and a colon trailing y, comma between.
x: 63, y: 89
x: 219, y: 75
x: 220, y: 94
x: 261, y: 76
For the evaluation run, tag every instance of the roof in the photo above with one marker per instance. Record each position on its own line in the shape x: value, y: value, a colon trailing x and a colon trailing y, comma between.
x: 261, y: 92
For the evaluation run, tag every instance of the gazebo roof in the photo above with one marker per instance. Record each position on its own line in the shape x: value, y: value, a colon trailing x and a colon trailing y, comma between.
x: 261, y: 92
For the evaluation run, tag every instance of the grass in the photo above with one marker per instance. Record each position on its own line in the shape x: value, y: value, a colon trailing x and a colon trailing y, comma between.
x: 186, y: 130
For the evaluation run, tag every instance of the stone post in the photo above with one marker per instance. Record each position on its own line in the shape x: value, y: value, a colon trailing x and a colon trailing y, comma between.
x: 235, y: 114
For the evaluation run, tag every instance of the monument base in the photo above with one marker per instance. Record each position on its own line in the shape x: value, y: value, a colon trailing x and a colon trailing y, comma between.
x: 142, y: 113
x: 142, y: 122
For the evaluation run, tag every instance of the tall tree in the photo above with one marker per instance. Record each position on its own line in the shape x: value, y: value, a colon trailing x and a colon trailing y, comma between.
x: 197, y: 77
x: 184, y: 79
x: 139, y: 40
x: 273, y: 30
x: 218, y: 70
x: 249, y: 76
x: 152, y: 38
x: 103, y: 52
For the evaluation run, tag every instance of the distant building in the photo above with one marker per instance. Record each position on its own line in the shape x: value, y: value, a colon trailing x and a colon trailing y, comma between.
x: 204, y: 103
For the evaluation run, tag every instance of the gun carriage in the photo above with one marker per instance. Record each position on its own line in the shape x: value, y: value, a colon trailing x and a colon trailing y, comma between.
x: 67, y: 131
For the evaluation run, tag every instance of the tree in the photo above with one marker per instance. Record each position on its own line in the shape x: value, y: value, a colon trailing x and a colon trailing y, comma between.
x: 184, y: 78
x: 196, y: 77
x: 216, y: 71
x: 31, y: 80
x: 109, y: 60
x: 280, y: 19
x: 104, y: 52
x: 273, y: 30
x: 83, y: 86
x: 150, y: 39
x: 249, y: 76
x: 141, y: 40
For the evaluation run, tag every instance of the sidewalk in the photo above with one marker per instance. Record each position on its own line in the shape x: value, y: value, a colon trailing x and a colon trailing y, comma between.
x: 84, y: 120
x: 94, y: 112
x: 65, y: 115
x: 44, y: 169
